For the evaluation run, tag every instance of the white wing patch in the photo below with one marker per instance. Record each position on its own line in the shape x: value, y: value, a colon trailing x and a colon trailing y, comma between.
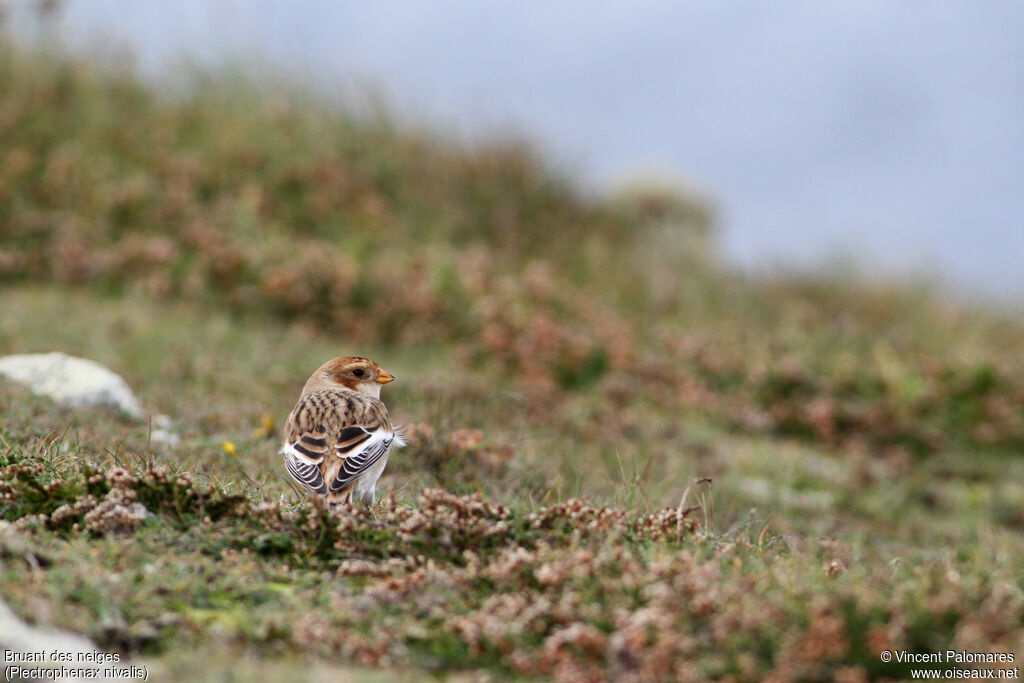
x: 361, y: 456
x: 303, y: 470
x: 363, y: 450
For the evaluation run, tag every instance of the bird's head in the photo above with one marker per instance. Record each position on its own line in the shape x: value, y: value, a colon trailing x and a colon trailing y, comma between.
x: 350, y: 372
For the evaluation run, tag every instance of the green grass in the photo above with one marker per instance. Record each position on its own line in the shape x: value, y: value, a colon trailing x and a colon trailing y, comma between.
x: 624, y: 460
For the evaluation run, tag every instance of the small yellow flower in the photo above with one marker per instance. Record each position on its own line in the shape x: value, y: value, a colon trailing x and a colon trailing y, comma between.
x: 229, y: 447
x: 266, y: 428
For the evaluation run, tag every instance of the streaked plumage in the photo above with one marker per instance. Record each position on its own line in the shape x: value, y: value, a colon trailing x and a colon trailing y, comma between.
x: 338, y: 436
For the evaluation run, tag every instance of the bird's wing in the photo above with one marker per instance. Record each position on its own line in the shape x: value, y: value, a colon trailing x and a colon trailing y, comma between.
x: 360, y: 448
x: 304, y: 453
x: 305, y: 441
x: 352, y: 426
x: 305, y: 473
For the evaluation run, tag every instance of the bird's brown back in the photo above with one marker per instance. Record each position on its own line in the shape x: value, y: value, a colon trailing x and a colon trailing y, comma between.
x: 331, y: 411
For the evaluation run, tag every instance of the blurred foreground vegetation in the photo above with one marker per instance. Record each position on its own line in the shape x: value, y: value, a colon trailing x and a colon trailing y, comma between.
x: 571, y: 370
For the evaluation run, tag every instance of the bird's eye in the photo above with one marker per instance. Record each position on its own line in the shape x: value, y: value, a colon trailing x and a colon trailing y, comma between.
x: 358, y: 372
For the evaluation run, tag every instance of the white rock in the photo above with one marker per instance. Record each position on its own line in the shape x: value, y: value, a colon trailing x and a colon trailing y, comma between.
x: 163, y: 432
x: 71, y: 381
x: 15, y: 634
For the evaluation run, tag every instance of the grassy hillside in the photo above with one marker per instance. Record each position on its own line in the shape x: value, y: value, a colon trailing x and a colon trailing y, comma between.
x: 625, y: 461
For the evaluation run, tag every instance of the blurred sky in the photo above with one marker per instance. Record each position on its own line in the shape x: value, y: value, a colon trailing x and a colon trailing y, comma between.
x: 892, y: 132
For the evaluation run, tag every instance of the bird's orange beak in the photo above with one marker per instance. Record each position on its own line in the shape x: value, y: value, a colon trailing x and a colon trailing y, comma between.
x: 385, y: 377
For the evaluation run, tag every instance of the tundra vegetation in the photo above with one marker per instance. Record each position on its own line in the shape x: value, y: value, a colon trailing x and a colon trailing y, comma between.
x: 626, y: 461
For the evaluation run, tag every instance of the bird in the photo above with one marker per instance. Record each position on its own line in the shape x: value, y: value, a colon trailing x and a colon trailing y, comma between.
x: 338, y: 436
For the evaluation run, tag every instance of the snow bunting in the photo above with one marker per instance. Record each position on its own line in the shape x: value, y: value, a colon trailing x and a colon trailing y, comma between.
x: 337, y: 438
